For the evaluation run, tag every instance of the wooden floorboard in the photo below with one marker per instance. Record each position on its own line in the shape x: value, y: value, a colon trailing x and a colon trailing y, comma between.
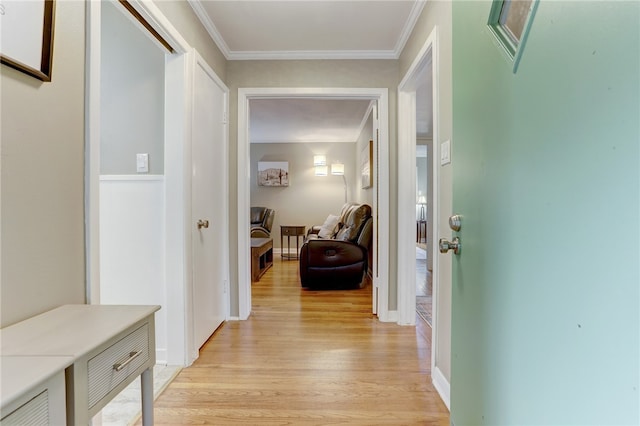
x: 307, y: 358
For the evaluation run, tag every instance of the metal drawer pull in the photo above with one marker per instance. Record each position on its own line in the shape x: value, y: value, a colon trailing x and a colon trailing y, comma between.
x: 132, y: 355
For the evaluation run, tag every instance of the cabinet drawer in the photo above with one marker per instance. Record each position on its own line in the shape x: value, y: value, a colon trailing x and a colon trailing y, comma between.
x: 34, y: 412
x: 292, y: 230
x: 115, y: 364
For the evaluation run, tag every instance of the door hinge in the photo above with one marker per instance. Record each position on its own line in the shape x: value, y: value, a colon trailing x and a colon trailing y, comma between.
x: 225, y: 117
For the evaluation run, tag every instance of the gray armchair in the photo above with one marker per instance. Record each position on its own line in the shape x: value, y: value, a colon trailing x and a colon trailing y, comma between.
x: 261, y: 222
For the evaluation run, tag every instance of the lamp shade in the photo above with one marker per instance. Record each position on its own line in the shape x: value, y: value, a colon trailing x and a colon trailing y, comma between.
x: 319, y: 160
x: 337, y: 169
x: 321, y: 170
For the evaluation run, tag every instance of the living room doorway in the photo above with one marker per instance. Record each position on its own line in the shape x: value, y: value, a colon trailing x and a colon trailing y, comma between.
x: 381, y: 184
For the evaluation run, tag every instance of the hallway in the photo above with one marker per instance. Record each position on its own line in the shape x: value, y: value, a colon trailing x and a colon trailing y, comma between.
x: 307, y: 357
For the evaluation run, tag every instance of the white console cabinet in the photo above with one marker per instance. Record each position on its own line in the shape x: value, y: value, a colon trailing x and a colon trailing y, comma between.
x: 33, y: 390
x: 88, y: 352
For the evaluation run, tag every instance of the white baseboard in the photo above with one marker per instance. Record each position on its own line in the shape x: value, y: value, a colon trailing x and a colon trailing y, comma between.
x: 442, y: 386
x: 279, y: 250
x: 388, y: 316
x: 161, y: 356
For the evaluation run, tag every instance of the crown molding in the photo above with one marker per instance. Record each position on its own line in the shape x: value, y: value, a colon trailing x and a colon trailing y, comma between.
x: 302, y: 140
x: 215, y: 35
x: 233, y: 55
x: 416, y: 10
x: 311, y: 54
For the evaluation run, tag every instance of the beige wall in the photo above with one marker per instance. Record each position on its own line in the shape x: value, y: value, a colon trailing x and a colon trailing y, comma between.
x: 184, y: 19
x: 439, y: 13
x: 42, y: 218
x: 330, y: 73
x: 309, y: 198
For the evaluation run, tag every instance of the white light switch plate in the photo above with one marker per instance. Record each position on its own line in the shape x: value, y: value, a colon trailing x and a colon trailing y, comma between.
x: 142, y: 163
x: 445, y: 153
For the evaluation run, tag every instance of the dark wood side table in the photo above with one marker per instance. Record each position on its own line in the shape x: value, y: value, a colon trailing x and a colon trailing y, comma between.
x: 290, y: 231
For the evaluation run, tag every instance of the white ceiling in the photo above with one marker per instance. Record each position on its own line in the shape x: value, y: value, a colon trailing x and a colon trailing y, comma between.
x: 309, y: 29
x: 312, y: 29
x: 306, y: 120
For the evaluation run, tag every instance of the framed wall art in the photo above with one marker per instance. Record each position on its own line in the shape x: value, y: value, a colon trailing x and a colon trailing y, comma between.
x: 273, y: 173
x: 27, y: 36
x: 366, y: 160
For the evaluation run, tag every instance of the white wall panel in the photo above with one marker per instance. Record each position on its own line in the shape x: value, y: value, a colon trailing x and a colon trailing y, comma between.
x: 132, y: 241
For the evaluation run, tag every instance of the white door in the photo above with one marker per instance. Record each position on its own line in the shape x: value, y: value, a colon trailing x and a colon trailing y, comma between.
x: 209, y: 202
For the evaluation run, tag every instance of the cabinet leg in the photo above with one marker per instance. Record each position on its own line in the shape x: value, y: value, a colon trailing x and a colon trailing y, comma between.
x: 146, y: 384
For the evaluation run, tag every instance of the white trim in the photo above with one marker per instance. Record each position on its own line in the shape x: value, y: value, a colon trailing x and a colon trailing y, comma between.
x: 363, y: 123
x: 442, y: 386
x: 215, y: 35
x: 288, y: 55
x: 92, y: 151
x: 381, y: 201
x: 243, y: 194
x: 427, y: 56
x: 391, y: 316
x: 104, y: 178
x: 161, y: 356
x: 416, y: 10
x: 178, y: 215
x: 406, y: 228
x: 280, y: 250
x: 304, y: 140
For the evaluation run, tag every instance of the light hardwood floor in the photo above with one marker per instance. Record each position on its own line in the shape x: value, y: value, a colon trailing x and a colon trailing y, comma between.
x: 307, y: 358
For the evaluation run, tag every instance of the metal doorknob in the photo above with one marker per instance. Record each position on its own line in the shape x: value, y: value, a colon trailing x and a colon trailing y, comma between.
x: 454, y: 245
x: 202, y: 224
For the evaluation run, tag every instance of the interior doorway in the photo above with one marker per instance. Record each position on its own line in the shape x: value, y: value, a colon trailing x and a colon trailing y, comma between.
x: 381, y: 193
x: 427, y: 60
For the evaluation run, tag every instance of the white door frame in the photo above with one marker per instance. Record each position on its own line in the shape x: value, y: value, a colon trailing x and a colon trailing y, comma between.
x: 407, y: 179
x: 178, y: 260
x: 381, y: 195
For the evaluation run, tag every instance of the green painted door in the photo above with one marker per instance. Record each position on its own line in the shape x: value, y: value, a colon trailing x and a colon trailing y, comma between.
x: 545, y: 323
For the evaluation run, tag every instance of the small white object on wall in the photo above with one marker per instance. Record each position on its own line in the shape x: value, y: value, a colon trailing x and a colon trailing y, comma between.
x: 142, y: 163
x: 445, y: 153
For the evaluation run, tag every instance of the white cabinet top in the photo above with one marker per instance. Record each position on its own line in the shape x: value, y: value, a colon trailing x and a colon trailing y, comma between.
x: 70, y: 330
x: 20, y: 374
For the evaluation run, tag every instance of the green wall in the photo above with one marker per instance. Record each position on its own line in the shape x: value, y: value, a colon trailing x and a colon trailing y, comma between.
x: 546, y: 291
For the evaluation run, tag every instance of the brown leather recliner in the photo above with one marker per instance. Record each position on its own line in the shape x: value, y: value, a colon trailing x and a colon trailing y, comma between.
x: 261, y: 222
x: 340, y: 261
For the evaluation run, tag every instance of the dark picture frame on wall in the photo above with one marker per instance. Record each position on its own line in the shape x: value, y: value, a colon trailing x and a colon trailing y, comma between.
x: 27, y: 36
x: 366, y: 160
